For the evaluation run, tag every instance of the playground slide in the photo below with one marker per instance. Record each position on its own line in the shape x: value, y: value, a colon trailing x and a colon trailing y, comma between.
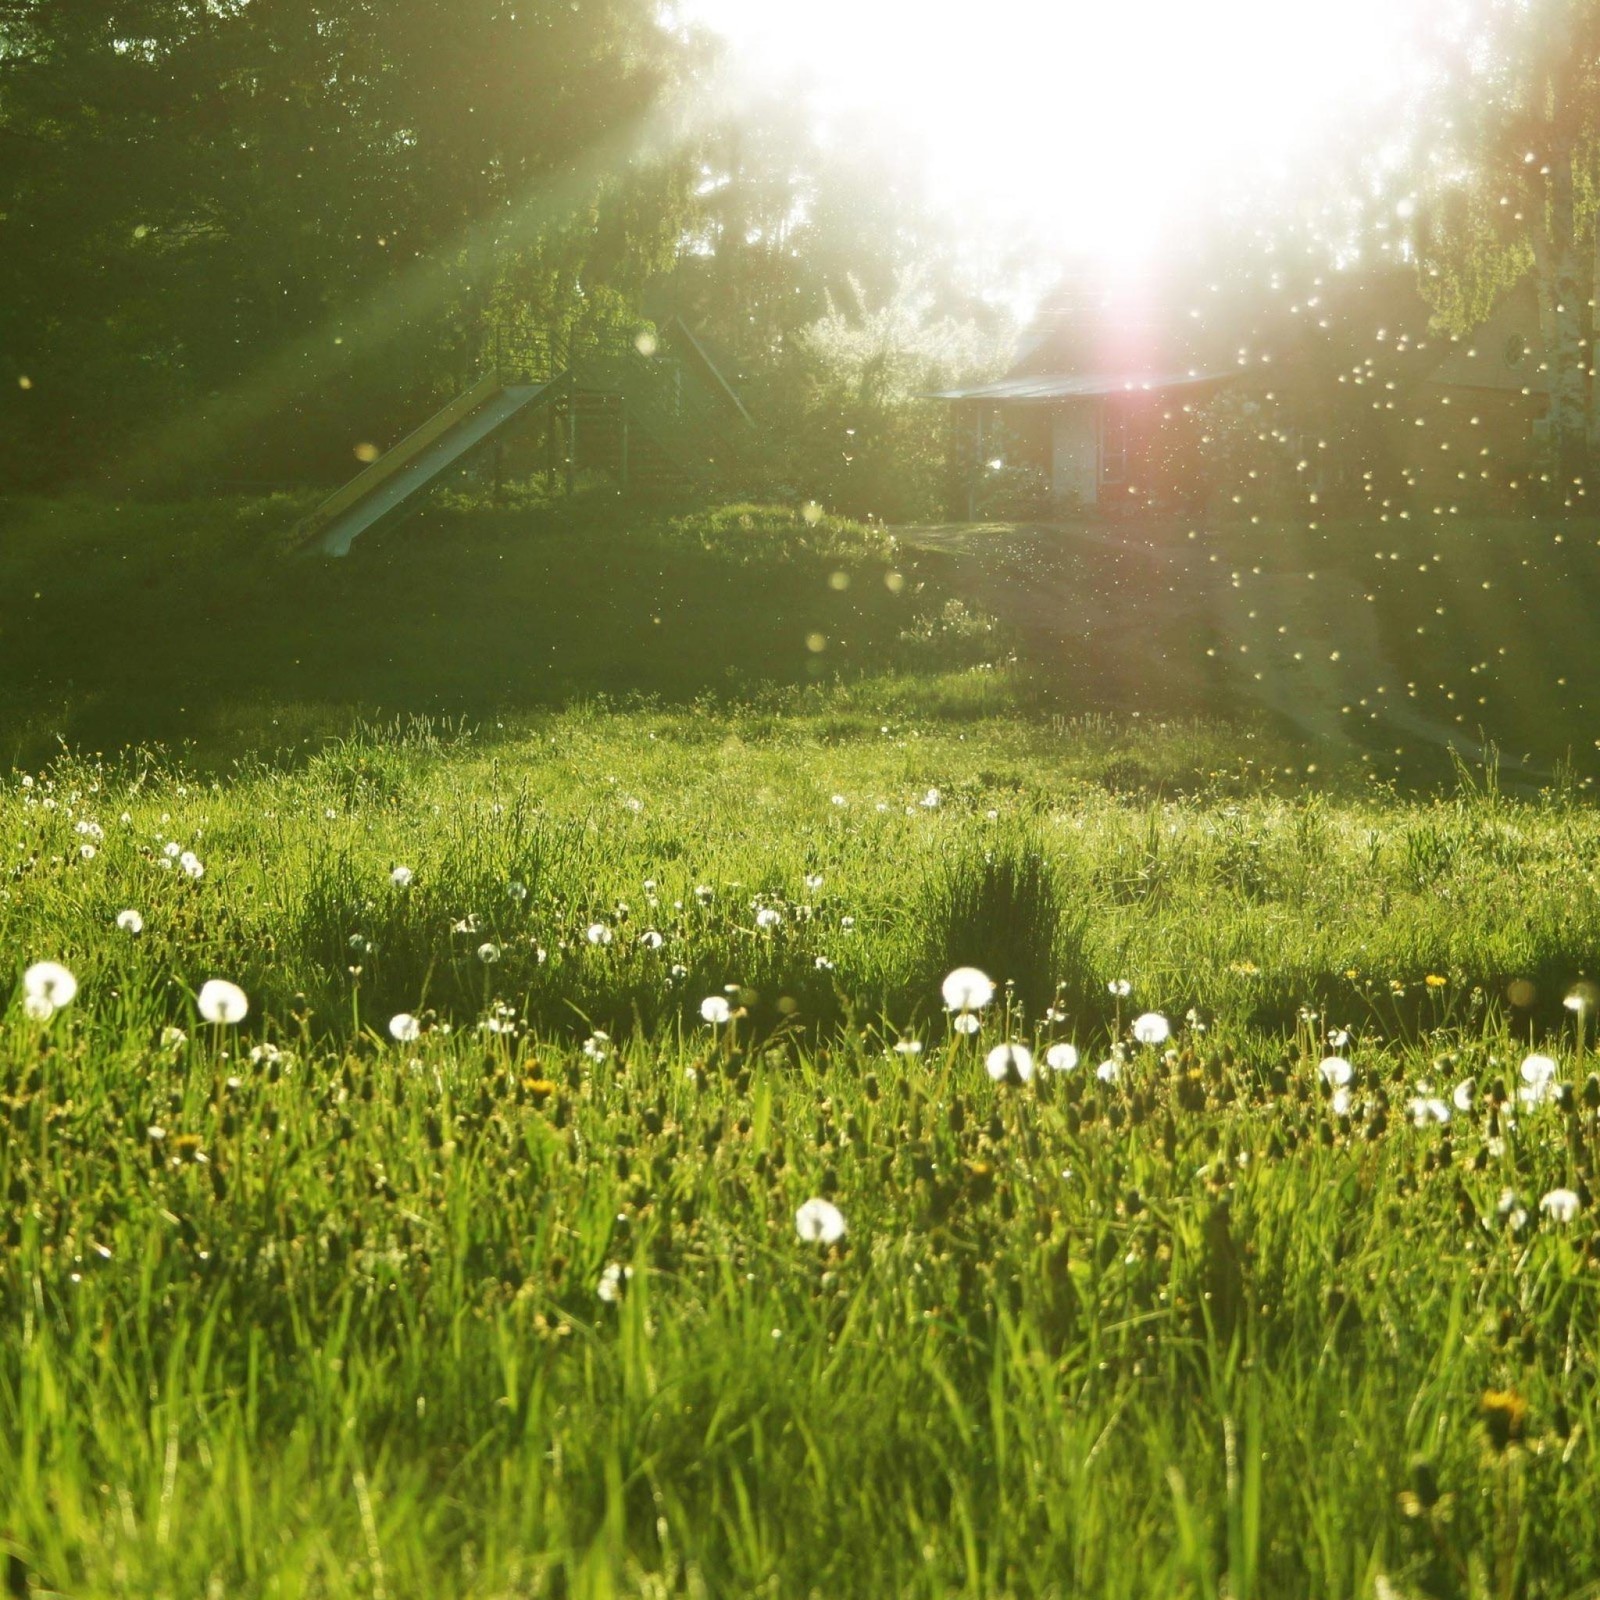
x: 419, y: 459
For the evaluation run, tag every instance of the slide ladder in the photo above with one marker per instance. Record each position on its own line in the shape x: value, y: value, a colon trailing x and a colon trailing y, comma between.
x: 419, y: 459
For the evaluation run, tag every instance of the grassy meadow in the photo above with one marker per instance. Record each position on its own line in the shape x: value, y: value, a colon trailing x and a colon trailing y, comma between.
x: 584, y: 951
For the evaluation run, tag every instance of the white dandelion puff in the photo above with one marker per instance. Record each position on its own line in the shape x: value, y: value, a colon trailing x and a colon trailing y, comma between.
x: 402, y: 877
x: 1006, y: 1061
x: 404, y: 1028
x: 1062, y: 1058
x: 1426, y: 1109
x: 613, y: 1282
x: 1336, y: 1071
x: 819, y: 1222
x: 715, y: 1010
x: 222, y: 1002
x: 51, y: 982
x: 967, y: 989
x: 1152, y: 1028
x: 1560, y: 1205
x: 130, y: 921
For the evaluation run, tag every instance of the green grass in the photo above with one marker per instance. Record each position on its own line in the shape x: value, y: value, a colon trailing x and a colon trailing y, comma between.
x: 300, y: 1309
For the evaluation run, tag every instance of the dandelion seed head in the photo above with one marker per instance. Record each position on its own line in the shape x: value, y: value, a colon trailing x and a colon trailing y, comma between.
x: 52, y: 982
x: 1336, y: 1071
x: 1152, y: 1028
x: 819, y: 1222
x: 967, y: 989
x: 1007, y: 1061
x: 222, y: 1002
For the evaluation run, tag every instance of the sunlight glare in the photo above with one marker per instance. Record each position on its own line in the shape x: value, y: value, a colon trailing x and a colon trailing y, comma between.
x: 1093, y: 127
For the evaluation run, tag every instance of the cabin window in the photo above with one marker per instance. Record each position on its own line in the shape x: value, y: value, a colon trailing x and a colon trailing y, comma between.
x: 1113, y: 444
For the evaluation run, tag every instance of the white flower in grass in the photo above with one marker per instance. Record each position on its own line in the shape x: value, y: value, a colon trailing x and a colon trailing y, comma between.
x: 87, y: 851
x: 931, y: 800
x: 36, y: 1008
x: 404, y: 1028
x: 597, y: 1047
x: 967, y: 989
x: 1062, y: 1058
x: 813, y: 881
x: 1006, y: 1061
x: 847, y: 924
x: 1560, y: 1205
x: 192, y: 865
x: 598, y: 934
x: 402, y: 877
x: 613, y: 1282
x: 1426, y: 1109
x: 651, y: 940
x: 488, y: 952
x: 1340, y: 1101
x: 715, y: 1010
x: 823, y: 964
x: 517, y: 891
x: 222, y: 1002
x: 1538, y: 1080
x: 50, y: 982
x: 130, y: 921
x: 1152, y: 1028
x: 1463, y: 1094
x: 1109, y: 1070
x: 908, y: 1047
x: 839, y: 800
x: 173, y: 1038
x: 1120, y: 987
x: 1538, y: 1070
x: 767, y: 919
x: 1336, y: 1071
x: 819, y: 1222
x: 967, y: 1023
x: 172, y: 849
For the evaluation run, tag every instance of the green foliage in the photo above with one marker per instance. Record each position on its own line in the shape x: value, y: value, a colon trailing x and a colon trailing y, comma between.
x: 999, y: 904
x: 511, y: 1307
x: 241, y: 641
x: 847, y: 404
x: 283, y: 228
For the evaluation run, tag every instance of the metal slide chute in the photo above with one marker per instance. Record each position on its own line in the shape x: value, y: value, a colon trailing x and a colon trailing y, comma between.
x: 419, y: 459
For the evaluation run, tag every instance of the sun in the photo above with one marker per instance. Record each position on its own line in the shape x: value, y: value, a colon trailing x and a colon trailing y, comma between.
x: 1096, y: 127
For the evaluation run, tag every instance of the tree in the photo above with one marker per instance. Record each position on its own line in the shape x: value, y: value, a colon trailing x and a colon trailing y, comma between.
x: 1510, y: 187
x: 267, y: 216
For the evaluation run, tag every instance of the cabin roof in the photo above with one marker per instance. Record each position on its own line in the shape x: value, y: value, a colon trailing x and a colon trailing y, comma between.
x: 1078, y: 385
